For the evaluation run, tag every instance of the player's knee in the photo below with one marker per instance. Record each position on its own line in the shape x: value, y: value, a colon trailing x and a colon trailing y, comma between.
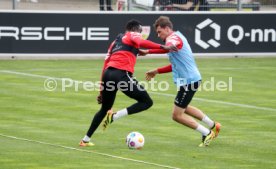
x: 101, y: 114
x: 149, y: 103
x: 176, y: 116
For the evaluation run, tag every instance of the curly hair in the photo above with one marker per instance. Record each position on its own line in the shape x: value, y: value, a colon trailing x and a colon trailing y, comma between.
x: 133, y: 25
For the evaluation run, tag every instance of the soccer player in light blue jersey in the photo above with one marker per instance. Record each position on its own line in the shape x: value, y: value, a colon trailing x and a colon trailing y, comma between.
x: 187, y: 78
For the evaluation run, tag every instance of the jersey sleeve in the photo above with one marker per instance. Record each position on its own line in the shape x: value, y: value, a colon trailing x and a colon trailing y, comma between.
x: 139, y: 42
x: 165, y: 69
x: 174, y: 40
x: 157, y: 51
x: 171, y: 40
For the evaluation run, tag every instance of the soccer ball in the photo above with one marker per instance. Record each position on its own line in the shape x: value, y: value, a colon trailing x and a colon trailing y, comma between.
x: 135, y: 140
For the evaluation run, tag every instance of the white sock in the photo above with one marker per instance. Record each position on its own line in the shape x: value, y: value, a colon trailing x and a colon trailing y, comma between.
x: 86, y: 138
x: 203, y: 130
x: 208, y: 121
x: 120, y: 114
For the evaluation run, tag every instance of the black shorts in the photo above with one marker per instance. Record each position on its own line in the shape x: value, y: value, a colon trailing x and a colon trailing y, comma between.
x: 116, y: 79
x: 185, y: 94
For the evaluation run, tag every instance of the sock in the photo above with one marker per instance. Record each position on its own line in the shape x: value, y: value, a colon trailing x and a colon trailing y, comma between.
x: 203, y: 130
x: 208, y: 121
x: 86, y: 138
x: 120, y: 114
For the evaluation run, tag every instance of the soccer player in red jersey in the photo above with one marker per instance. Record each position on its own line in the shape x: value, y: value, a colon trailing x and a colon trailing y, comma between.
x: 117, y: 75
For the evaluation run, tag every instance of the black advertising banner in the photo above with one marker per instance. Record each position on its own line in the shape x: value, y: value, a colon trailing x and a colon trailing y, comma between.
x: 84, y: 33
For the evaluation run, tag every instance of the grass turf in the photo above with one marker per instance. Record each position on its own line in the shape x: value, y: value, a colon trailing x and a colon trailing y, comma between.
x: 29, y: 111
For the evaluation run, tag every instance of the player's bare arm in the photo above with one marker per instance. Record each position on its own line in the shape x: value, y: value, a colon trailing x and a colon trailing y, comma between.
x: 151, y: 74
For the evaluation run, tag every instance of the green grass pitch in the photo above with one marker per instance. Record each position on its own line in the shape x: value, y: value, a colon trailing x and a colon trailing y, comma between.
x: 42, y: 129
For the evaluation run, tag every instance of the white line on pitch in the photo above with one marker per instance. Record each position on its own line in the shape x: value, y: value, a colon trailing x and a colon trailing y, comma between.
x: 157, y: 93
x: 220, y: 102
x: 87, y: 151
x: 29, y: 74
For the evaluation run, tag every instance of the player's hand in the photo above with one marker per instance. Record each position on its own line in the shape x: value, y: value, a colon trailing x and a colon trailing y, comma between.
x: 143, y: 52
x: 151, y: 74
x: 171, y: 48
x: 100, y: 99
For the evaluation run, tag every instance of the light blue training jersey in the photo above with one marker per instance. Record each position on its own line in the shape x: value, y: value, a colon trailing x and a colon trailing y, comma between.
x: 184, y: 68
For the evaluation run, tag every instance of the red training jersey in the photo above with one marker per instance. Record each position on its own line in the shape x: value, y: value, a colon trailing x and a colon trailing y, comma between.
x: 126, y: 60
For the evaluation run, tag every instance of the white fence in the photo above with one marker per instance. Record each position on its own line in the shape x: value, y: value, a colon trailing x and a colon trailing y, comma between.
x: 137, y: 5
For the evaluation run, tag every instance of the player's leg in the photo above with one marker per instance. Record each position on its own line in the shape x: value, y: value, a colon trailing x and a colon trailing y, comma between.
x: 182, y: 118
x: 130, y: 87
x: 185, y: 119
x: 198, y: 114
x: 108, y: 98
x: 182, y: 100
x: 107, y: 102
x: 179, y: 116
x: 137, y: 92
